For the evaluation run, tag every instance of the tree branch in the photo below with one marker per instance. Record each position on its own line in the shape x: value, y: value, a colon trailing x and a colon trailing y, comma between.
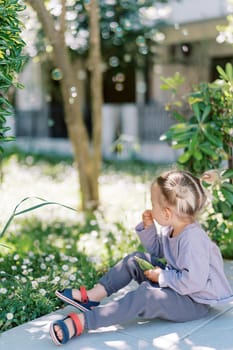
x: 63, y: 17
x: 47, y: 22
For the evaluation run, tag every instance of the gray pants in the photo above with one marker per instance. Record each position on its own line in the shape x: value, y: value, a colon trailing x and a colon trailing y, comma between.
x: 148, y: 301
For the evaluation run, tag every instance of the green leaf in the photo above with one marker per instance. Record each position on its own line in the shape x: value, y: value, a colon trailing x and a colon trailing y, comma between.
x: 5, y: 246
x: 184, y: 157
x: 179, y: 127
x: 229, y: 71
x: 207, y: 150
x: 179, y: 145
x: 211, y: 137
x: 192, y: 100
x: 179, y: 117
x: 222, y: 72
x: 16, y: 213
x: 165, y: 87
x: 198, y: 155
x: 228, y: 174
x: 205, y: 113
x: 196, y: 110
x: 227, y: 186
x: 194, y: 142
x: 228, y: 195
x: 9, y: 138
x: 183, y: 136
x: 226, y: 209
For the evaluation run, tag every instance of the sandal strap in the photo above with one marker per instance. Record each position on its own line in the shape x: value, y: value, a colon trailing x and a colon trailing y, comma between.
x: 64, y: 329
x: 84, y: 297
x: 77, y: 323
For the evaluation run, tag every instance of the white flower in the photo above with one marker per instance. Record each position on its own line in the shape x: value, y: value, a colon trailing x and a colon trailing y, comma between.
x: 26, y: 261
x: 42, y: 279
x: 42, y: 291
x: 65, y: 267
x: 73, y: 259
x: 9, y: 316
x: 3, y: 290
x: 34, y: 284
x: 66, y: 283
x: 72, y: 278
x: 16, y: 257
x: 56, y: 279
x: 13, y: 267
x: 43, y: 266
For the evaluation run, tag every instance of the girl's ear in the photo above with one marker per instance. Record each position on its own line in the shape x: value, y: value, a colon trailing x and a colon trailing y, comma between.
x: 167, y: 213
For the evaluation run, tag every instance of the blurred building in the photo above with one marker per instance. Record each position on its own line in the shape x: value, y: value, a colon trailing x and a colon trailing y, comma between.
x: 133, y: 111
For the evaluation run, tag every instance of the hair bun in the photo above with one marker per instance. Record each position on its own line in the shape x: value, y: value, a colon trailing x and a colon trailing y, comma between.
x: 180, y: 191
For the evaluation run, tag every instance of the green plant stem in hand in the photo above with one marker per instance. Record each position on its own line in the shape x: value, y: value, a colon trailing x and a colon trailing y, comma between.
x: 144, y: 265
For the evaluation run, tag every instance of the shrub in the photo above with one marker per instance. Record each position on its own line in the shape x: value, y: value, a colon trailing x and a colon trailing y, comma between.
x: 205, y: 136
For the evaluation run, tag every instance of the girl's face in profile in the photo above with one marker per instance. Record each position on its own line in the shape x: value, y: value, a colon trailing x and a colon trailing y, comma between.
x: 159, y: 213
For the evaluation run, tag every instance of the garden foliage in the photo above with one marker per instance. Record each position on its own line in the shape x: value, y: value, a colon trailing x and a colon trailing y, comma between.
x: 57, y: 248
x: 205, y: 136
x: 11, y: 60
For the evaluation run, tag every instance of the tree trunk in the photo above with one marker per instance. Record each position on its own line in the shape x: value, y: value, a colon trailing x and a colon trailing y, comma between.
x: 96, y: 89
x: 86, y: 157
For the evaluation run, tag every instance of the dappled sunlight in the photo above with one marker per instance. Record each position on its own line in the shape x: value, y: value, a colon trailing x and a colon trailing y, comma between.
x: 166, y: 341
x: 122, y: 197
x: 39, y: 328
x: 22, y: 181
x: 118, y: 344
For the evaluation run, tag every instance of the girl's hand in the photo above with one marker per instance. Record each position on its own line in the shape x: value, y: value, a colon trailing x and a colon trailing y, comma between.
x: 153, y: 274
x: 147, y: 218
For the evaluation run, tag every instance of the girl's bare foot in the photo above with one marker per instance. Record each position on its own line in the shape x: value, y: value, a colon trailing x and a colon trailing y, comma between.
x: 70, y: 326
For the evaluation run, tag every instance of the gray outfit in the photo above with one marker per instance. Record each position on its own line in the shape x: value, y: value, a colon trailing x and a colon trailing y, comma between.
x: 186, y: 286
x: 194, y: 263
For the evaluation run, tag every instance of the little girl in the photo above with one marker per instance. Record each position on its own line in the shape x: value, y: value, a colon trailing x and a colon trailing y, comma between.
x: 183, y: 290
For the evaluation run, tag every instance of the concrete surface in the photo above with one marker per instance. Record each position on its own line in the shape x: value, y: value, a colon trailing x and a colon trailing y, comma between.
x: 214, y: 332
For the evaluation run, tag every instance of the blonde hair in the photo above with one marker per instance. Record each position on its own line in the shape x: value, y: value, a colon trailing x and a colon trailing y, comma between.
x: 182, y: 190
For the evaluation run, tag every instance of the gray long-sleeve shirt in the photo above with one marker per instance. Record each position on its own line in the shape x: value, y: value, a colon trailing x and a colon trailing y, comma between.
x: 194, y: 262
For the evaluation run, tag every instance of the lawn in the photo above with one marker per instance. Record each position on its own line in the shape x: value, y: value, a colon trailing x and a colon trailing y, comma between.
x: 53, y: 247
